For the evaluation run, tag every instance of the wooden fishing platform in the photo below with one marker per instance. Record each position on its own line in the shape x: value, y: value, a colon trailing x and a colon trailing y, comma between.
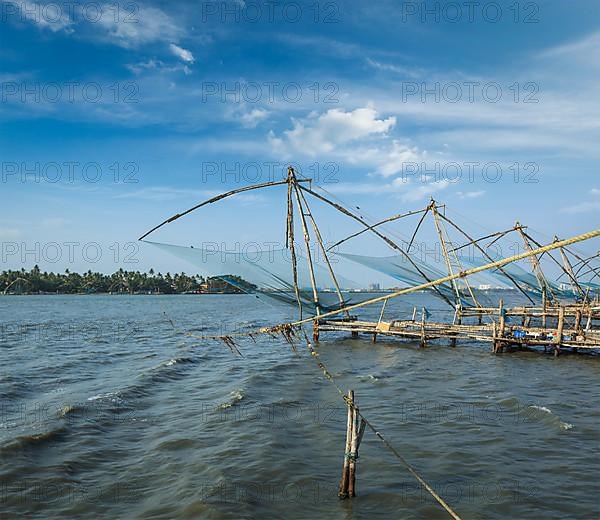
x: 573, y: 326
x: 566, y: 318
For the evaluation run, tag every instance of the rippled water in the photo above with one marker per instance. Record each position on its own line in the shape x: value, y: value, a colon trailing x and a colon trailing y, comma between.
x: 108, y: 412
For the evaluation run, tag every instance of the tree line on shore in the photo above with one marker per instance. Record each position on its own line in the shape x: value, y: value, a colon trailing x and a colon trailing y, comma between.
x: 127, y: 282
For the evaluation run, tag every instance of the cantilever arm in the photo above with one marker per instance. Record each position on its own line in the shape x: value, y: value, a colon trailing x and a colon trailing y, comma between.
x: 369, y: 228
x: 389, y: 242
x: 217, y: 198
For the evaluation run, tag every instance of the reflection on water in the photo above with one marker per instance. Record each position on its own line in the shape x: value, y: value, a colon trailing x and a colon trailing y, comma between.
x: 107, y: 411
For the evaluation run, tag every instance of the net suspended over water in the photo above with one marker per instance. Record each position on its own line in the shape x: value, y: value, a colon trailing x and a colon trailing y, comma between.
x: 524, y: 278
x: 287, y: 275
x: 268, y: 274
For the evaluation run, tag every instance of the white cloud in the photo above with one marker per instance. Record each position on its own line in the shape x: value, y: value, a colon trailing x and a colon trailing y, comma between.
x: 318, y: 134
x: 396, y: 69
x: 405, y: 190
x: 158, y: 66
x: 125, y: 28
x: 181, y: 53
x: 358, y: 137
x: 425, y: 191
x: 252, y: 118
x: 147, y: 24
x: 164, y: 193
x: 54, y: 222
x: 585, y: 48
x: 9, y: 233
x: 582, y: 207
x: 470, y: 194
x: 51, y: 16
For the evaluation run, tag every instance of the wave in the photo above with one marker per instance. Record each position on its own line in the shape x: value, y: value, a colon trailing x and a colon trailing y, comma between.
x: 545, y: 414
x: 23, y: 442
x: 368, y: 377
x: 68, y: 410
x: 113, y: 397
x: 179, y: 360
x: 236, y: 397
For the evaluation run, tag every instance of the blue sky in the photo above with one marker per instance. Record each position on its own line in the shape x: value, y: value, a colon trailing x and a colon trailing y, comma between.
x: 112, y: 120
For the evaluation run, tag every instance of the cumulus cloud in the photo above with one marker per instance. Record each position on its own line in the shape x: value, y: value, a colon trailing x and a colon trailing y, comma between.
x: 252, y: 118
x: 358, y: 137
x: 181, y: 53
x: 318, y: 134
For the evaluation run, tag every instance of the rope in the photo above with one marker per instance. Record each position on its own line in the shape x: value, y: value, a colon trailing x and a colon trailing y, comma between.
x: 351, y: 456
x: 386, y: 443
x: 462, y: 274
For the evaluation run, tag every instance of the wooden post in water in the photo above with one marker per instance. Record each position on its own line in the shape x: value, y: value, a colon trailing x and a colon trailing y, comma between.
x: 457, y: 321
x: 353, y: 455
x: 423, y: 342
x: 578, y: 321
x: 355, y: 428
x: 501, y: 324
x: 559, y: 330
x: 544, y: 303
x: 343, y: 491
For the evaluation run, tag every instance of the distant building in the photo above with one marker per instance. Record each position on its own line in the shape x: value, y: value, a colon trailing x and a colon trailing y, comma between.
x: 485, y: 287
x: 374, y: 287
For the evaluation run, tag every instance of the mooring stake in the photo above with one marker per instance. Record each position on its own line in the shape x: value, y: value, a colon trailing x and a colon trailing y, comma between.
x: 355, y: 428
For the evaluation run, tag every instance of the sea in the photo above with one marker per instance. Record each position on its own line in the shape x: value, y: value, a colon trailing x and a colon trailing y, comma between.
x: 116, y: 406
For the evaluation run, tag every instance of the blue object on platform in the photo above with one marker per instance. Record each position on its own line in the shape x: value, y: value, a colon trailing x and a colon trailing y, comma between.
x: 520, y: 334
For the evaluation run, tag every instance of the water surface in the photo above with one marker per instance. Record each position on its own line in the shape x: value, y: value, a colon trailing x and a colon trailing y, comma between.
x: 108, y: 411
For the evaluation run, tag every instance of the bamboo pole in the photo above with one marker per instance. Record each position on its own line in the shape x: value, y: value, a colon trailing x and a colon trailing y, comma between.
x: 544, y: 305
x: 388, y: 241
x: 353, y: 453
x: 377, y: 224
x: 419, y: 226
x: 446, y: 257
x: 493, y: 265
x: 585, y: 262
x: 564, y: 268
x: 382, y: 311
x: 569, y: 269
x: 306, y: 242
x: 472, y: 241
x: 344, y: 481
x: 484, y: 252
x: 537, y: 268
x: 468, y: 272
x: 559, y: 330
x: 423, y: 342
x: 322, y: 247
x: 215, y: 199
x: 289, y: 239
